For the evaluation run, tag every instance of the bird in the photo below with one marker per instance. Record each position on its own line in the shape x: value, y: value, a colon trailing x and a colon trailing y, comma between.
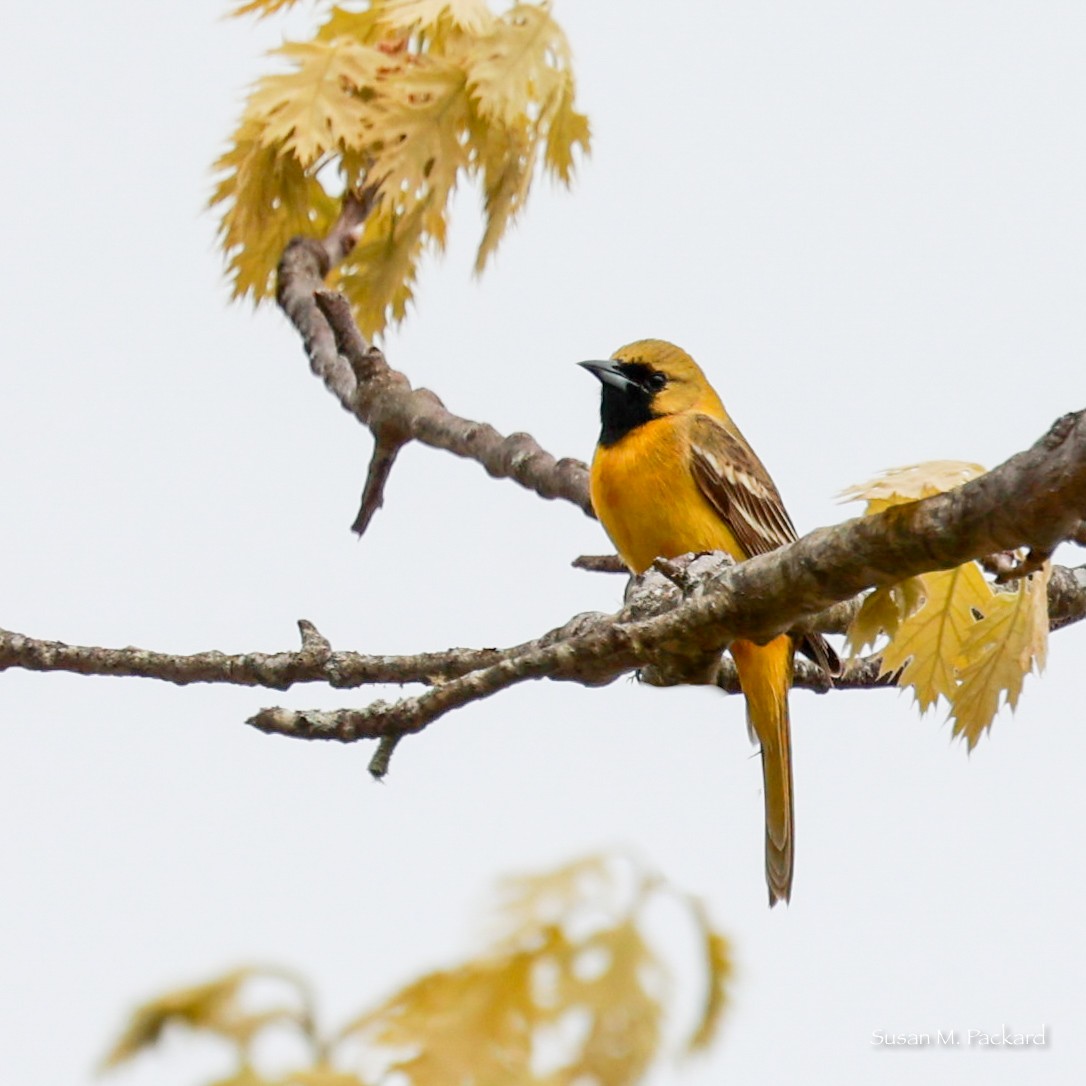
x: 673, y: 474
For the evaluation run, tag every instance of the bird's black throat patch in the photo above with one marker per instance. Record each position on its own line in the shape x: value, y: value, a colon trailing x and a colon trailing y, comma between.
x: 625, y: 409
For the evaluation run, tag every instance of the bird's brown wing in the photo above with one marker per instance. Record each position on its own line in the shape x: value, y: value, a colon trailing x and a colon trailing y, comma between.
x: 737, y: 485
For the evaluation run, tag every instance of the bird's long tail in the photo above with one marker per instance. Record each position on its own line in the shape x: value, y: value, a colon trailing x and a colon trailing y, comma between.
x: 765, y: 674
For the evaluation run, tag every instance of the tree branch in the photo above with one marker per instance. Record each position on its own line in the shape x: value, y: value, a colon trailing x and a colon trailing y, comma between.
x: 381, y: 398
x: 1035, y: 499
x: 675, y: 623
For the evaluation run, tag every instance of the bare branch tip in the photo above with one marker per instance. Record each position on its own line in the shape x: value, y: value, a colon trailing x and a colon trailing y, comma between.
x: 379, y: 763
x: 312, y: 639
x: 373, y: 493
x: 600, y: 563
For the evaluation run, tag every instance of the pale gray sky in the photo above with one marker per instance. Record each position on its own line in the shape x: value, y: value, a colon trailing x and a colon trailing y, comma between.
x: 865, y: 219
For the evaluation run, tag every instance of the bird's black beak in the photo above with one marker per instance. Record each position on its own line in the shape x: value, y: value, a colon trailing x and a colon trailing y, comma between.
x: 609, y: 373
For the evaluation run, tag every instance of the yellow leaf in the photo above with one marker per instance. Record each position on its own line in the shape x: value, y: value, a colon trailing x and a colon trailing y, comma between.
x: 472, y: 16
x: 320, y: 104
x: 566, y: 129
x: 267, y: 199
x: 1001, y: 650
x: 362, y: 26
x: 508, y: 162
x: 419, y: 118
x: 929, y: 643
x: 407, y: 94
x: 967, y: 643
x: 898, y: 485
x: 378, y: 276
x: 882, y: 612
x: 521, y: 61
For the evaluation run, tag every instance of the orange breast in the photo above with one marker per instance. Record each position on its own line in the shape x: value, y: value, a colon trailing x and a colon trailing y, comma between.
x: 647, y: 499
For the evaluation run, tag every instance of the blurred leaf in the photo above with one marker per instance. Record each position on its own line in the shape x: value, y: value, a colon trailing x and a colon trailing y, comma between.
x: 467, y: 1025
x: 528, y: 903
x: 571, y: 992
x: 216, y: 1007
x: 719, y: 970
x: 604, y: 976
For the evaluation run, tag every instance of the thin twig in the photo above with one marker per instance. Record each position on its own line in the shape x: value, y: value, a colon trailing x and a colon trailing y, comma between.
x: 600, y: 563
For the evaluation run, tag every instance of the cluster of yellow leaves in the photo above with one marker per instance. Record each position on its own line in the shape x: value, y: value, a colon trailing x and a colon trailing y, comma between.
x: 951, y: 634
x: 570, y: 991
x: 406, y: 95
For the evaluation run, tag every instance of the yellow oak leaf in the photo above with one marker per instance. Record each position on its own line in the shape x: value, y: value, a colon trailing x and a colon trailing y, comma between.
x: 508, y: 162
x: 320, y: 104
x: 1001, y: 650
x: 267, y: 198
x: 967, y: 642
x: 898, y: 485
x: 472, y: 16
x: 406, y: 96
x: 928, y: 643
x: 418, y: 118
x: 379, y: 275
x: 882, y: 613
x: 566, y: 129
x: 521, y: 61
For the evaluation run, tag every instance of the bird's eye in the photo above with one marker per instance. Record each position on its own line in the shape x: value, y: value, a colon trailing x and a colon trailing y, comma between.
x: 657, y: 381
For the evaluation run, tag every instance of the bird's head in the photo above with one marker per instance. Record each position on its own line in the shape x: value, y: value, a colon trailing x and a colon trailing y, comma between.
x: 646, y: 380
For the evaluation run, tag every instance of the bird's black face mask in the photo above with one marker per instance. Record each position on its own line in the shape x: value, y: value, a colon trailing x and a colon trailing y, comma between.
x: 628, y: 392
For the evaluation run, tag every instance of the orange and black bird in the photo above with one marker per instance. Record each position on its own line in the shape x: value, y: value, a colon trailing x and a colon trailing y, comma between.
x: 673, y: 474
